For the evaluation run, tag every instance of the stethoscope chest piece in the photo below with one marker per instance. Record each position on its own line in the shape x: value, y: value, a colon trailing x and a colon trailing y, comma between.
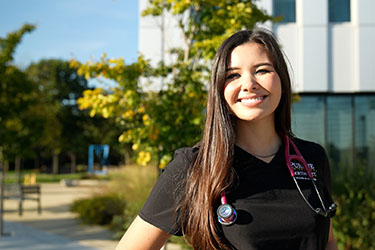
x: 226, y: 214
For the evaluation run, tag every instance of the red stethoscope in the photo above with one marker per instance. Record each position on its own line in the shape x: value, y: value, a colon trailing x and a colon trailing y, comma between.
x: 227, y: 215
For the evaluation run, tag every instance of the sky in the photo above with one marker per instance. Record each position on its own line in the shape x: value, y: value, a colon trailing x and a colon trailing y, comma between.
x: 80, y: 29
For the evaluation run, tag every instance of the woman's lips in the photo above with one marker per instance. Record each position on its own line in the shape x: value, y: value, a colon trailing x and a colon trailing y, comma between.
x: 251, y: 101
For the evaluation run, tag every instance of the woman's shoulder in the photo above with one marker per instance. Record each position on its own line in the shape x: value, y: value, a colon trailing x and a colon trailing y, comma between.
x: 186, y: 153
x: 310, y: 148
x: 305, y: 143
x: 182, y: 160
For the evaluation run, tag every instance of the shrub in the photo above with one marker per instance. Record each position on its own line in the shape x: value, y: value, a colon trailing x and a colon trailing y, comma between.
x: 122, y: 222
x: 133, y: 183
x: 354, y: 223
x: 99, y: 209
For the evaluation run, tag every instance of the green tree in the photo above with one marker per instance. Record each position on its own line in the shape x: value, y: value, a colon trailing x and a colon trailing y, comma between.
x: 155, y: 123
x: 19, y: 128
x: 8, y: 46
x: 69, y: 130
x: 59, y: 86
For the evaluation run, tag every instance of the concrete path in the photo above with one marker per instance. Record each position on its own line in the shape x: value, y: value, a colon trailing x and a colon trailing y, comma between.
x: 56, y: 228
x: 25, y: 237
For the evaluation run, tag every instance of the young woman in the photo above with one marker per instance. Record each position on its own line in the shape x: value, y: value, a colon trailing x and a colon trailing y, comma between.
x: 243, y: 163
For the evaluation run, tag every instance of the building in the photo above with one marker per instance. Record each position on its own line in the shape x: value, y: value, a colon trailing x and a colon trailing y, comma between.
x: 330, y: 46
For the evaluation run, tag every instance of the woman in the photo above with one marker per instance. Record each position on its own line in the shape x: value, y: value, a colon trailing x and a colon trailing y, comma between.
x: 240, y: 161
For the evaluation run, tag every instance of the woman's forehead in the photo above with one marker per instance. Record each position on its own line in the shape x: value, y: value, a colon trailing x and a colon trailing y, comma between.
x: 249, y: 53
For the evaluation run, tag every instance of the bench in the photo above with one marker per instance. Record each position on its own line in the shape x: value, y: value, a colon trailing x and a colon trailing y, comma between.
x: 22, y: 192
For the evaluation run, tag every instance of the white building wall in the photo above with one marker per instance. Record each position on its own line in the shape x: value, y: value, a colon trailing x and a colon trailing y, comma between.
x: 364, y: 21
x: 342, y: 58
x: 157, y: 35
x: 330, y: 57
x: 312, y: 44
x: 325, y: 57
x: 288, y: 38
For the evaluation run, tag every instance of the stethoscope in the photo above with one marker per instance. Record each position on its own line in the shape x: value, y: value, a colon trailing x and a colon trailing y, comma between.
x: 227, y: 215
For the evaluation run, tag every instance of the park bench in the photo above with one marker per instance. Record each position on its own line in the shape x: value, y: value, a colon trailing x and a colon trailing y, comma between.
x: 21, y: 193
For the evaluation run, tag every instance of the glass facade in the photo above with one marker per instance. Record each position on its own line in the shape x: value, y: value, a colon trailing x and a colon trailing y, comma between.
x: 340, y: 130
x: 307, y: 117
x: 338, y: 11
x: 364, y: 124
x: 343, y: 124
x: 286, y: 9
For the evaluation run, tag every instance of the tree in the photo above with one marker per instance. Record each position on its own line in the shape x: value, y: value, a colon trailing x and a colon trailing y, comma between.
x: 39, y: 116
x: 8, y: 46
x: 19, y: 129
x: 155, y: 123
x: 60, y: 86
x: 66, y: 126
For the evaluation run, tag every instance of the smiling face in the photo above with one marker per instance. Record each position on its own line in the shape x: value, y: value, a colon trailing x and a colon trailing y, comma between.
x: 253, y: 87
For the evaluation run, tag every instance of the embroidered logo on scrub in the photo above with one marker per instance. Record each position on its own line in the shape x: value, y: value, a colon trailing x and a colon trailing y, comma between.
x: 300, y: 173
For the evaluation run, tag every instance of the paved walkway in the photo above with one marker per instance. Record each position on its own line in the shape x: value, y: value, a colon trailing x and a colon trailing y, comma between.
x: 56, y: 228
x: 25, y: 237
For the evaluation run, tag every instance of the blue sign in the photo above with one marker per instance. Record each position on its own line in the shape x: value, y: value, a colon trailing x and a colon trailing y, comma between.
x: 101, y: 152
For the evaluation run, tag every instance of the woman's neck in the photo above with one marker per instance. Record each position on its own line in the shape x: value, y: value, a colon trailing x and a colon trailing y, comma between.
x: 259, y: 138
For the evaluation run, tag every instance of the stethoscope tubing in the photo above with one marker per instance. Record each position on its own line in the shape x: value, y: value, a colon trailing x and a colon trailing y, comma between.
x: 288, y: 159
x: 298, y: 157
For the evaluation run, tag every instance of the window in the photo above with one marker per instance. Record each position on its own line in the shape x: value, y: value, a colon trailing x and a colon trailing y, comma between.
x: 339, y: 11
x: 340, y: 130
x: 365, y: 129
x: 286, y: 9
x: 308, y: 117
x: 344, y: 124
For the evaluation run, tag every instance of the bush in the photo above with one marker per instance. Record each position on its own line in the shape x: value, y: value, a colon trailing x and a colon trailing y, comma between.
x: 133, y: 183
x: 122, y: 222
x: 354, y: 223
x: 99, y: 209
x: 129, y: 185
x: 122, y: 199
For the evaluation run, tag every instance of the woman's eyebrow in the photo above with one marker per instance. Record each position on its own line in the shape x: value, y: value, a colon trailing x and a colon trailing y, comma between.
x: 263, y: 64
x: 231, y: 69
x: 254, y: 66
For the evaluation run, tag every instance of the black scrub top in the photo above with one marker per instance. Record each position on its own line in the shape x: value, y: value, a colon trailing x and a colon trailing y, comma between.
x: 271, y: 212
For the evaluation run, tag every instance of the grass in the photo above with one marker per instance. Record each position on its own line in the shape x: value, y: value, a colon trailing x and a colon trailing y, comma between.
x: 11, y: 176
x: 134, y: 183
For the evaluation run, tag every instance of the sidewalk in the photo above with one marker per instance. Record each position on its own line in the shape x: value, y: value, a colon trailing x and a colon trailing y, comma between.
x: 56, y: 228
x: 25, y: 237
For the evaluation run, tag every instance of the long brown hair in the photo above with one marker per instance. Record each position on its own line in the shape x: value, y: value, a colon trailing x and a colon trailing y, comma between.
x: 211, y: 172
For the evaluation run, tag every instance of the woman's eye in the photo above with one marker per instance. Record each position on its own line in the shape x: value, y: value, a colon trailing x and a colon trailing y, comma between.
x: 262, y: 71
x: 232, y: 76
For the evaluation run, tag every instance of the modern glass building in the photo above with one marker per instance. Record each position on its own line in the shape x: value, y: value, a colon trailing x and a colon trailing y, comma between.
x: 330, y: 46
x: 343, y: 123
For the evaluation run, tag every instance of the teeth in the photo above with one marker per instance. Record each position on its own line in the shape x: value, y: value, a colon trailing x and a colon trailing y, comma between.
x: 248, y: 101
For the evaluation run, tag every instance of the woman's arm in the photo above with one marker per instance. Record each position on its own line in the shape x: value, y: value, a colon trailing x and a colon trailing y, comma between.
x: 331, y: 244
x: 141, y: 235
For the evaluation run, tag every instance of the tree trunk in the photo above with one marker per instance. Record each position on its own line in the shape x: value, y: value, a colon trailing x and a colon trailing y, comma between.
x: 17, y: 166
x: 6, y: 166
x: 55, y: 164
x: 127, y: 160
x: 73, y: 162
x: 37, y: 161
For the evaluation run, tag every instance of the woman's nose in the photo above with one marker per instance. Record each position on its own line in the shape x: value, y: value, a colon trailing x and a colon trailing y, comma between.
x: 249, y: 83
